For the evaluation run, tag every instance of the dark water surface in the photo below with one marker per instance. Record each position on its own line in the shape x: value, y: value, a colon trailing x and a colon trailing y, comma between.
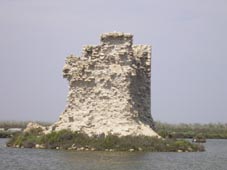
x: 215, y: 158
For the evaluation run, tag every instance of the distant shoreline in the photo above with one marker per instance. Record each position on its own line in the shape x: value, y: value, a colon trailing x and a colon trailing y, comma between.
x: 183, y: 130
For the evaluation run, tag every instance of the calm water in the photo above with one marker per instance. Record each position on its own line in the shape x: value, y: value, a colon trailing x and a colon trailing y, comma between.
x: 215, y: 158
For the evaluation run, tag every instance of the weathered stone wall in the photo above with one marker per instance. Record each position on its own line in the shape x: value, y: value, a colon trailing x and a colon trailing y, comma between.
x: 109, y: 88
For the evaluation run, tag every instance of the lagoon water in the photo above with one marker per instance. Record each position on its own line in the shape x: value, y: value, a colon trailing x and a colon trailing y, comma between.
x: 214, y: 158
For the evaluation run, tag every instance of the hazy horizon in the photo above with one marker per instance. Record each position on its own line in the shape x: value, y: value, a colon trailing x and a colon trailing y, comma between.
x: 188, y: 41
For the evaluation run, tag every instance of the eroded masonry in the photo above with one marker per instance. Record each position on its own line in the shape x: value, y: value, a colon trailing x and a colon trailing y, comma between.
x: 109, y: 88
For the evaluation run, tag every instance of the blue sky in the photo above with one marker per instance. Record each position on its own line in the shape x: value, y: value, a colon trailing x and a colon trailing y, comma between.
x: 188, y: 41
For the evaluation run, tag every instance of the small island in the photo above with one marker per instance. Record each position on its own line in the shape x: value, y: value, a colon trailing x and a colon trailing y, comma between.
x: 68, y: 140
x: 109, y: 103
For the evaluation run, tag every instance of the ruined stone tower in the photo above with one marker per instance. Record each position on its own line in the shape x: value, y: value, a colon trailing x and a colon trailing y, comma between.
x: 109, y: 88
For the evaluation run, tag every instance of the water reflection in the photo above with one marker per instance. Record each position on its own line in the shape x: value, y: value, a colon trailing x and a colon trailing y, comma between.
x: 215, y: 158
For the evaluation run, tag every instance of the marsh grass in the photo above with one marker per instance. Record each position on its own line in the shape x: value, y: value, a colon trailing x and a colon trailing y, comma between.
x: 65, y: 139
x: 211, y: 130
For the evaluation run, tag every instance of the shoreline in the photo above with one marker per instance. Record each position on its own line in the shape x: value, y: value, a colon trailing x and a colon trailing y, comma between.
x: 68, y: 140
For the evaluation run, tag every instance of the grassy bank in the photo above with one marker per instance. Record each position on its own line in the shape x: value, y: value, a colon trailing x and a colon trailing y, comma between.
x: 210, y: 131
x: 76, y: 141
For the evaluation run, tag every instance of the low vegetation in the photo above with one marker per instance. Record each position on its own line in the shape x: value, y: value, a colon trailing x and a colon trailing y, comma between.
x: 5, y: 134
x: 69, y: 140
x: 19, y: 124
x: 210, y: 131
x: 9, y: 128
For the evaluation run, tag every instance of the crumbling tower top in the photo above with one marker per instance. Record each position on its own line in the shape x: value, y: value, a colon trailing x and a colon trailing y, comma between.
x: 116, y: 38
